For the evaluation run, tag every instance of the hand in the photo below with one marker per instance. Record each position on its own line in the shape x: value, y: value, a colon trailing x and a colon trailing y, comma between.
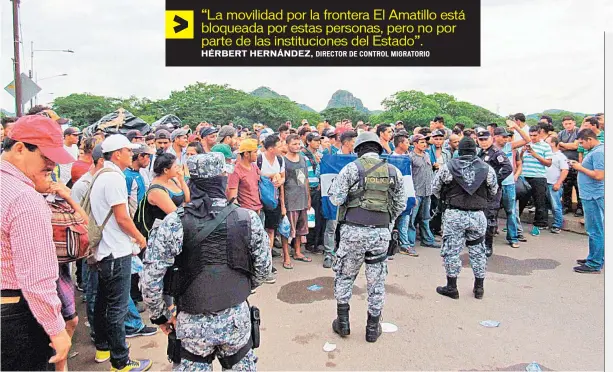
x: 168, y: 327
x: 515, y: 177
x: 141, y: 241
x: 574, y: 164
x: 556, y: 187
x: 61, y: 343
x: 60, y: 190
x: 436, y: 165
x: 181, y: 173
x: 276, y: 182
x: 309, y: 205
x: 283, y: 211
x: 511, y: 124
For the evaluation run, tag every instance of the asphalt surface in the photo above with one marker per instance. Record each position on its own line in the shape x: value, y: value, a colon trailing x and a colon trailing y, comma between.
x: 547, y: 314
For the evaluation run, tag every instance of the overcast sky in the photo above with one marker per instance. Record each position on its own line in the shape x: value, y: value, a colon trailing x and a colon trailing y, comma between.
x: 535, y: 55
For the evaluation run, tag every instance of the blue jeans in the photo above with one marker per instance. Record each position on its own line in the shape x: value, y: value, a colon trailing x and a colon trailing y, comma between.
x: 112, y: 307
x: 133, y: 322
x: 508, y: 203
x: 594, y: 225
x: 421, y: 209
x: 403, y: 230
x: 555, y: 198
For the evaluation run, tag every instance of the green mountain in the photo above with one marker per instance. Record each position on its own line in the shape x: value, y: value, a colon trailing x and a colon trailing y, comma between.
x: 343, y: 98
x: 554, y: 112
x: 265, y: 92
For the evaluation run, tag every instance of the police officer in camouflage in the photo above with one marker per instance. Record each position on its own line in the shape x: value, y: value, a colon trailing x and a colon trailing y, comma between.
x: 465, y: 184
x: 216, y: 253
x: 370, y: 195
x: 496, y: 159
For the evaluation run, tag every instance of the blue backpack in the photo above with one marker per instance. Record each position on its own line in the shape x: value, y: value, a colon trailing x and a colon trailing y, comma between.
x: 268, y: 192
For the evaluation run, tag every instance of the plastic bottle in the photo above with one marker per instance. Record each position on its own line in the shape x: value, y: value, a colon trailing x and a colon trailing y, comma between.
x: 311, y: 218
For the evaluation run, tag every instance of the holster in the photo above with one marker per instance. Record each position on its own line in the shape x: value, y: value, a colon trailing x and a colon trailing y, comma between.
x: 255, y: 326
x: 172, y: 281
x: 337, y: 235
x: 174, y: 348
x: 394, y: 245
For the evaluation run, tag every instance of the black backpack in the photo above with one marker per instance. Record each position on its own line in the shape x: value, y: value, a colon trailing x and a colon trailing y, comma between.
x: 259, y: 161
x: 144, y: 221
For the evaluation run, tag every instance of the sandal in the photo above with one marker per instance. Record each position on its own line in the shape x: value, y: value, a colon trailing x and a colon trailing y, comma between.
x: 303, y: 259
x: 287, y: 266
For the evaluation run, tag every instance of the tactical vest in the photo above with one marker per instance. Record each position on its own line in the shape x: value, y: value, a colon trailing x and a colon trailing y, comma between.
x: 369, y: 204
x: 457, y: 198
x: 215, y: 273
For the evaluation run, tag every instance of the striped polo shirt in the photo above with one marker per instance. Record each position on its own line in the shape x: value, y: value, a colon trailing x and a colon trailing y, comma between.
x: 532, y: 167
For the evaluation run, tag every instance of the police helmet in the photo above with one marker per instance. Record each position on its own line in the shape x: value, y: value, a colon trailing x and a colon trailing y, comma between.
x: 366, y: 137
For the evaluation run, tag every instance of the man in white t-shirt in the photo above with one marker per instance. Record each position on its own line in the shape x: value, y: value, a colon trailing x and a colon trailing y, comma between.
x: 556, y: 174
x: 71, y: 138
x: 109, y: 197
x: 520, y: 120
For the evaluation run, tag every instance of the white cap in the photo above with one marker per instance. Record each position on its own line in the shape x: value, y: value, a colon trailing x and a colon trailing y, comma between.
x: 117, y: 142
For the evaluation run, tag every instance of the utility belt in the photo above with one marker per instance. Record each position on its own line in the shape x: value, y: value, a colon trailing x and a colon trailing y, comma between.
x: 176, y: 352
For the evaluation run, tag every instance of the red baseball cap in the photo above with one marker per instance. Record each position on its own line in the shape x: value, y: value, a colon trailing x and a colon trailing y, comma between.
x: 45, y: 133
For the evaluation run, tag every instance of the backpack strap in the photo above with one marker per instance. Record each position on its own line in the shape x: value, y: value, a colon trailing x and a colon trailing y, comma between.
x: 280, y: 160
x: 259, y: 161
x: 86, y: 202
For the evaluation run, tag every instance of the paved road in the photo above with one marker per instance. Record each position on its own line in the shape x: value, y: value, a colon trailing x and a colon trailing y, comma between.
x: 547, y: 313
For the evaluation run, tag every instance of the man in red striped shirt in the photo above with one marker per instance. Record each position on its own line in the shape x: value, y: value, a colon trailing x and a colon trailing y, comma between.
x: 30, y: 315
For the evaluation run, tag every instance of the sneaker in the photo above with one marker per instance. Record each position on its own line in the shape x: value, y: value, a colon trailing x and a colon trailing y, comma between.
x: 145, y: 331
x: 274, y: 270
x: 430, y: 245
x: 535, y: 231
x: 275, y: 253
x: 135, y: 365
x: 412, y: 252
x: 102, y: 356
x: 79, y: 287
x: 328, y: 262
x: 579, y: 212
x: 270, y: 279
x: 555, y: 230
x: 140, y: 307
x: 581, y: 262
x: 504, y: 229
x: 514, y: 245
x: 531, y: 210
x: 522, y: 238
x: 584, y: 269
x: 253, y: 291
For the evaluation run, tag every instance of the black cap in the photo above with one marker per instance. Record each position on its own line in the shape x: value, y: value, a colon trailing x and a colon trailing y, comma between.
x: 208, y: 131
x: 483, y: 133
x: 502, y: 132
x: 438, y: 133
x: 467, y: 146
x: 313, y: 137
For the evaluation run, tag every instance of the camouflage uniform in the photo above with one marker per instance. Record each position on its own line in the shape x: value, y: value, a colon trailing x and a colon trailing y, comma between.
x: 224, y: 332
x: 460, y: 226
x: 357, y: 240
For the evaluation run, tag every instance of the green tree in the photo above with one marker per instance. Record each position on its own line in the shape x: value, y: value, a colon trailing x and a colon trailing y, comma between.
x: 85, y: 109
x: 337, y: 114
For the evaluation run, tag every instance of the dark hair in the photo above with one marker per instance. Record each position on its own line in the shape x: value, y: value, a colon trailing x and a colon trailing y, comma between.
x: 399, y: 138
x: 439, y: 119
x: 584, y: 134
x: 593, y: 121
x: 292, y: 130
x: 382, y: 128
x: 142, y: 154
x: 8, y: 119
x: 599, y: 114
x: 534, y: 128
x: 197, y: 145
x: 367, y: 147
x: 548, y: 118
x: 283, y: 128
x: 9, y: 142
x: 271, y: 141
x: 568, y: 118
x: 88, y: 145
x: 37, y: 109
x: 456, y: 130
x: 546, y: 127
x: 347, y: 136
x: 555, y: 140
x: 108, y: 155
x: 291, y: 138
x: 304, y: 130
x: 519, y: 116
x: 425, y: 131
x: 361, y: 126
x: 163, y: 161
x: 494, y: 125
x: 468, y: 132
x: 462, y: 126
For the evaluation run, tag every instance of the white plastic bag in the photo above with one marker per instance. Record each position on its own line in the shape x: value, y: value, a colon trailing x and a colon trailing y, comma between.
x: 284, y: 227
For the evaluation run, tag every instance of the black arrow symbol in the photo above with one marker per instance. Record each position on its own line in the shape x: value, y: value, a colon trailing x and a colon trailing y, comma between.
x: 182, y: 24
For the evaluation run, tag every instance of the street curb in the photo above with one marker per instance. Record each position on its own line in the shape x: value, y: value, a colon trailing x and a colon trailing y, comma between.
x: 571, y: 223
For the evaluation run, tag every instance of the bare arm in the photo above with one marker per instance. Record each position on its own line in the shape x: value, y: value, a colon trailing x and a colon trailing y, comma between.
x: 126, y: 224
x: 569, y: 146
x: 185, y: 188
x: 161, y: 199
x: 232, y: 193
x: 282, y: 200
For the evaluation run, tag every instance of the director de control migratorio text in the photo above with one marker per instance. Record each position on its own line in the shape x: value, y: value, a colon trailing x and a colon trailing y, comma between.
x: 302, y: 53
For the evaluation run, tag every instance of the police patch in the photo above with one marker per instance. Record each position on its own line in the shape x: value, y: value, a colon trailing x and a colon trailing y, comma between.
x: 500, y: 158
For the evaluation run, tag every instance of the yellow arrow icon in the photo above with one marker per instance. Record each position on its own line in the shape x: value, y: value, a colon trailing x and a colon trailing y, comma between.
x: 179, y: 24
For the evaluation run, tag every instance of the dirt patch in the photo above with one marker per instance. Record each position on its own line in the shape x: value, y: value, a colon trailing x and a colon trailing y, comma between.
x: 304, y: 339
x: 511, y: 266
x: 330, y: 364
x: 398, y: 291
x: 150, y: 345
x: 297, y: 292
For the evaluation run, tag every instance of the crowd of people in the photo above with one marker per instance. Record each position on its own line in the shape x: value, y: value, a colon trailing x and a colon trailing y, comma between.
x: 145, y: 200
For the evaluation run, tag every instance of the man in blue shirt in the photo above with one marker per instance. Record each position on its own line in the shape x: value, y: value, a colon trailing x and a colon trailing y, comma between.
x: 591, y: 191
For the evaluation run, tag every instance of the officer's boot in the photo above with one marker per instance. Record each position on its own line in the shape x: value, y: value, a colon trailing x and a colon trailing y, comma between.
x: 478, y: 288
x: 450, y: 290
x: 489, y: 241
x: 373, y: 328
x: 340, y: 325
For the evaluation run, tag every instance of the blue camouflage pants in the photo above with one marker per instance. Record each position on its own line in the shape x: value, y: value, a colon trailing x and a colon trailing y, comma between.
x: 459, y: 229
x: 356, y: 242
x: 223, y: 333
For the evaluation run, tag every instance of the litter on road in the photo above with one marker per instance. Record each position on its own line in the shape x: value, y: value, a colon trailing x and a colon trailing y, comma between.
x: 489, y: 323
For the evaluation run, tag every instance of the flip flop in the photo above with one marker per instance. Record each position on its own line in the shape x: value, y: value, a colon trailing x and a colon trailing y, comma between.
x: 288, y: 266
x: 303, y: 259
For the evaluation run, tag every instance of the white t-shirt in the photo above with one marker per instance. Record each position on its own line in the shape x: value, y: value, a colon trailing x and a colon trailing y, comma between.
x: 110, y: 190
x: 525, y: 129
x: 80, y: 187
x: 65, y: 169
x: 272, y: 169
x: 144, y: 172
x: 558, y: 162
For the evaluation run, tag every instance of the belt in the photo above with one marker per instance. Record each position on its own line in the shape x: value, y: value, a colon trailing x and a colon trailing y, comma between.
x: 10, y: 296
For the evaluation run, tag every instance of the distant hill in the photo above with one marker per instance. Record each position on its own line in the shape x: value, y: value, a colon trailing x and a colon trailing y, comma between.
x: 265, y: 92
x: 343, y: 98
x: 551, y: 112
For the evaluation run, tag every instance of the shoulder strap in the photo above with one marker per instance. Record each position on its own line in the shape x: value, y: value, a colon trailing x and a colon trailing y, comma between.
x: 280, y: 160
x: 259, y: 161
x: 86, y: 203
x: 212, y: 225
x: 363, y: 173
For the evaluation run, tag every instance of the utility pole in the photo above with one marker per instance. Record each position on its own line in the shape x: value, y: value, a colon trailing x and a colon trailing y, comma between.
x: 31, y: 69
x: 16, y: 59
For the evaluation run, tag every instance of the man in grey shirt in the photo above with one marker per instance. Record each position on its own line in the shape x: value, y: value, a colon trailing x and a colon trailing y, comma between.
x: 422, y: 173
x: 569, y: 144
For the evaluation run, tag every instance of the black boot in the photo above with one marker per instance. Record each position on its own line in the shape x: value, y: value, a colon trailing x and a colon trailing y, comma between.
x: 373, y: 328
x: 340, y: 325
x: 478, y: 288
x: 489, y: 250
x: 450, y: 290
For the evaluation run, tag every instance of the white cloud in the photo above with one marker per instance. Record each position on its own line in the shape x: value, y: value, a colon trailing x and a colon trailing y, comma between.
x: 535, y: 55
